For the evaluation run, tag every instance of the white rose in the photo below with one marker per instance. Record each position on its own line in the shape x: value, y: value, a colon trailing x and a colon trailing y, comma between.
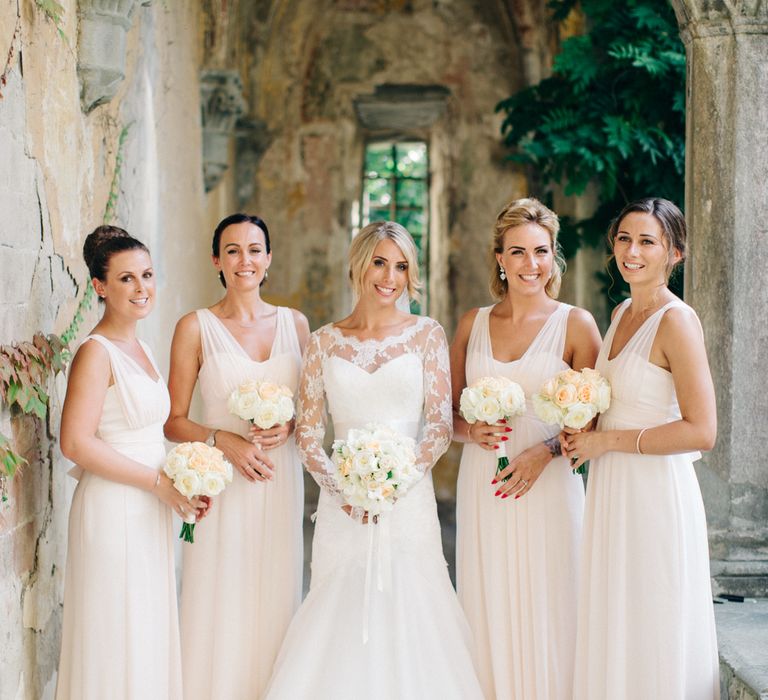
x: 187, y: 483
x: 547, y: 411
x: 265, y: 416
x: 364, y: 462
x: 513, y: 400
x: 488, y: 410
x: 285, y: 408
x: 578, y: 415
x: 174, y: 464
x: 213, y: 484
x: 603, y: 397
x: 245, y: 406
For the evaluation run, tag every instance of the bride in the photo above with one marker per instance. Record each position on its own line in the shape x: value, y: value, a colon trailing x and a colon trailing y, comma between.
x: 381, y: 619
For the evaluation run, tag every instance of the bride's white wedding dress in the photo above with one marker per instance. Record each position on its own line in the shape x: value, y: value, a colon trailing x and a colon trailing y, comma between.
x: 417, y: 638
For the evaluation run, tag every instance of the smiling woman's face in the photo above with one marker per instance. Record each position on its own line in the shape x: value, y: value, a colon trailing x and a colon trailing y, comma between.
x: 243, y: 257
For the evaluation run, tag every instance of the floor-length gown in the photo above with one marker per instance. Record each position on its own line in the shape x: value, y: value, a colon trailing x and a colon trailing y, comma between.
x: 646, y: 624
x: 517, y: 560
x: 387, y: 581
x: 242, y: 577
x: 120, y: 636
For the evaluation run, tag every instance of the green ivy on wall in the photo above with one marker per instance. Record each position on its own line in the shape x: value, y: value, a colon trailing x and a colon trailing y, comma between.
x: 611, y: 115
x: 26, y: 367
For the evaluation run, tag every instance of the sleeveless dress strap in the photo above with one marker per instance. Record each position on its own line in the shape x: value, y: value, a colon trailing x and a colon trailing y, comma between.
x: 605, y: 348
x: 214, y: 337
x: 122, y: 372
x: 479, y: 345
x: 286, y: 339
x: 642, y: 341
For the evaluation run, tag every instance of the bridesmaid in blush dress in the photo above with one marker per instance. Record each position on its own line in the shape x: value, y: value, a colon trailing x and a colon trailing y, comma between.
x: 120, y: 636
x: 646, y: 624
x: 242, y: 577
x: 517, y: 542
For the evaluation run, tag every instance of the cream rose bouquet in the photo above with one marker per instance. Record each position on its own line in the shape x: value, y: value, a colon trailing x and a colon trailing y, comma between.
x: 571, y: 399
x: 492, y: 399
x: 374, y: 466
x: 197, y: 470
x: 265, y: 404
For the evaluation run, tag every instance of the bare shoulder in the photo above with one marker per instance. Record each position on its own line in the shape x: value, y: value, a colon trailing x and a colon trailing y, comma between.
x: 302, y: 324
x: 464, y: 326
x: 580, y: 320
x: 187, y: 333
x: 680, y: 324
x: 91, y: 360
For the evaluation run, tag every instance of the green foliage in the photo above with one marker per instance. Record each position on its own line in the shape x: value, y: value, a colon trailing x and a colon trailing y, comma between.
x: 611, y: 115
x: 54, y: 12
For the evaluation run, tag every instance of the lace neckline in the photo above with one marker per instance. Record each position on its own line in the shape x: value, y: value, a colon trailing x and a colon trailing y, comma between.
x: 408, y: 332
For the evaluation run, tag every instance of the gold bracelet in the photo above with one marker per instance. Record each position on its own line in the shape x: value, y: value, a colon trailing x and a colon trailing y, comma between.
x: 637, y: 442
x: 157, y: 481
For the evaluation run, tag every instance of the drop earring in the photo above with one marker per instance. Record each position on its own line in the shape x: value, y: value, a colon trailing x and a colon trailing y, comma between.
x: 502, y: 273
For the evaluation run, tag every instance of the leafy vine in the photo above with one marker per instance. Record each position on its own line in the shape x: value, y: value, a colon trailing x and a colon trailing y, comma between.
x: 26, y: 367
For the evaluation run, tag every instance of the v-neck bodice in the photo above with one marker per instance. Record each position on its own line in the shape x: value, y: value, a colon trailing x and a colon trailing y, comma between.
x: 226, y: 365
x: 541, y: 360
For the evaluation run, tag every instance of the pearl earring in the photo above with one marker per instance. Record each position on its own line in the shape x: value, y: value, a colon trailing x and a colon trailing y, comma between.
x: 502, y: 273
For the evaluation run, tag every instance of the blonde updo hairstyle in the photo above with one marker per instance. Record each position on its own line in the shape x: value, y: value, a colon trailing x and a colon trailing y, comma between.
x: 365, y: 242
x: 527, y: 211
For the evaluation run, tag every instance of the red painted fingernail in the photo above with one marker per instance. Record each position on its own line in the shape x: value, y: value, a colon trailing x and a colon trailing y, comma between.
x: 508, y: 430
x: 506, y: 495
x: 497, y: 493
x: 495, y: 447
x: 504, y: 438
x: 495, y: 481
x: 517, y: 496
x: 503, y: 420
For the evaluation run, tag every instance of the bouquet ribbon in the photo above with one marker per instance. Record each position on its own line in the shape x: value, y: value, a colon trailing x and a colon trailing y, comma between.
x: 380, y: 553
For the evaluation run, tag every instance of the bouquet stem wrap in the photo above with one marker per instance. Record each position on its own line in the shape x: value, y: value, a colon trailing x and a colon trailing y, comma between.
x: 188, y: 530
x: 503, y: 461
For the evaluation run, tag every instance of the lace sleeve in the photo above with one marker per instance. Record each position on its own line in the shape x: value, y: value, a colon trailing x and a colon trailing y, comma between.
x: 311, y: 418
x: 438, y: 415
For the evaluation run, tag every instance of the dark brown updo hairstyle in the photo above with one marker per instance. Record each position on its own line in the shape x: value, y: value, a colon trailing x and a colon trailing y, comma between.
x: 670, y: 218
x: 102, y: 243
x: 237, y: 219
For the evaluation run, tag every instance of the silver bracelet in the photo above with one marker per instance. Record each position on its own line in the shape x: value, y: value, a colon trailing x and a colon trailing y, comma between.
x: 637, y: 442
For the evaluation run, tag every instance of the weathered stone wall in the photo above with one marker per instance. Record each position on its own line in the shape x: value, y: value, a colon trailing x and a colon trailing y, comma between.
x: 56, y: 164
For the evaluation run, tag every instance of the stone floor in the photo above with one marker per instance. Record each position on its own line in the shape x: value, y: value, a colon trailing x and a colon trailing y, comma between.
x: 742, y: 637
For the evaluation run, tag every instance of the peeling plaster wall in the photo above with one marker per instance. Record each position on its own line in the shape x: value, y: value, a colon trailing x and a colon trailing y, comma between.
x: 56, y: 165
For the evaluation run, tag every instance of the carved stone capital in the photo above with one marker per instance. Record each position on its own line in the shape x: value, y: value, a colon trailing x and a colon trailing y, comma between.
x: 104, y: 25
x: 221, y: 94
x: 711, y: 18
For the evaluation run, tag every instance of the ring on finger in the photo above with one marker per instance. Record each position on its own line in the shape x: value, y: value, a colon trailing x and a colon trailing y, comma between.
x: 523, y: 482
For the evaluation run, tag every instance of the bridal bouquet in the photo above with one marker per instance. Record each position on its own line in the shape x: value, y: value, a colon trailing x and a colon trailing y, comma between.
x: 265, y: 404
x: 374, y: 467
x: 572, y: 399
x: 197, y: 470
x: 492, y: 399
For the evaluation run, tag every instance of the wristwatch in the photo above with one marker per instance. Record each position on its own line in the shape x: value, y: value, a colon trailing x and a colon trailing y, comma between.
x: 211, y: 439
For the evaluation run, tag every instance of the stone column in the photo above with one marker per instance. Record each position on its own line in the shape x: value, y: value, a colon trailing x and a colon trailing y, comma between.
x: 726, y: 275
x: 221, y: 95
